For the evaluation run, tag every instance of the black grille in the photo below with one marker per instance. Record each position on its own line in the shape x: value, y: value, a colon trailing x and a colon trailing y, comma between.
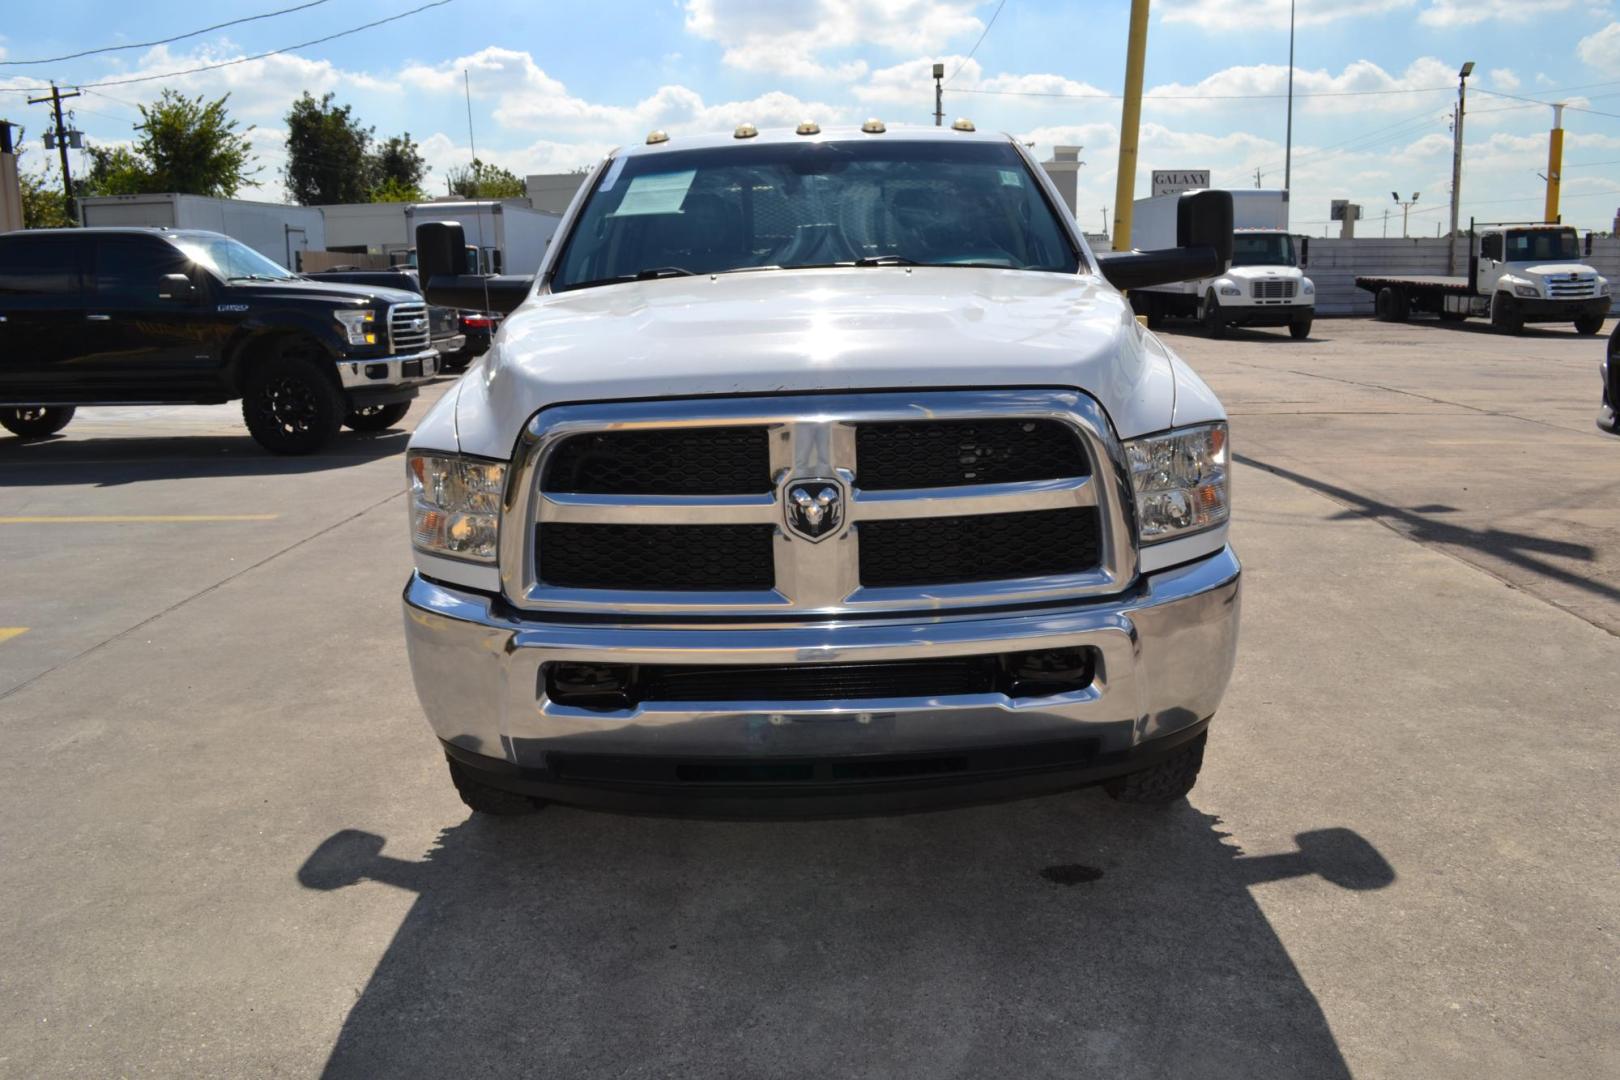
x: 821, y: 682
x: 979, y: 547
x: 951, y: 453
x: 696, y: 461
x: 676, y: 558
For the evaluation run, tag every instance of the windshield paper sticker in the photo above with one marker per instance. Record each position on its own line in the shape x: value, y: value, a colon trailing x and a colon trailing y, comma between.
x: 1010, y: 178
x: 659, y: 193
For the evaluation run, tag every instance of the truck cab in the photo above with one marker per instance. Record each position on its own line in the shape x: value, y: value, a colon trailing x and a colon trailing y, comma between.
x: 1533, y: 273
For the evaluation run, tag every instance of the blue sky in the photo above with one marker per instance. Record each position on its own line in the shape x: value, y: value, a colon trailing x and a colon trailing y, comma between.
x: 557, y: 83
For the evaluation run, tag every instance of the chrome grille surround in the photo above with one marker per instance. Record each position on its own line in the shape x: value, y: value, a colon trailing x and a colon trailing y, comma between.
x: 1273, y: 288
x: 404, y: 335
x: 1571, y: 287
x: 814, y: 436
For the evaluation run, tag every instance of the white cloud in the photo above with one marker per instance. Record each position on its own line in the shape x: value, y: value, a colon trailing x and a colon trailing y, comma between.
x: 1245, y: 15
x: 1505, y: 79
x: 788, y: 38
x: 1362, y: 86
x: 1602, y: 49
x: 1469, y: 12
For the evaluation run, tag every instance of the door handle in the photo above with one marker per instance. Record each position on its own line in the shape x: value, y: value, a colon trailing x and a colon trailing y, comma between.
x: 98, y: 318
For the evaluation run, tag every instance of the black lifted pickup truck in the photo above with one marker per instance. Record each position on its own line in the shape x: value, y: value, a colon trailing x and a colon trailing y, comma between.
x: 164, y: 316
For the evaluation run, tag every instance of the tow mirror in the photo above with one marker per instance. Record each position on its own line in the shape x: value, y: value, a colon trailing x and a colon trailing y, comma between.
x: 1203, y: 246
x: 440, y: 262
x: 1304, y: 252
x: 177, y: 287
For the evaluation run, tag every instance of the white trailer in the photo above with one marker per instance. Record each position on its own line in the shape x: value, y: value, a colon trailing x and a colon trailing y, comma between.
x: 510, y: 239
x: 1265, y: 284
x: 276, y: 230
x: 366, y: 228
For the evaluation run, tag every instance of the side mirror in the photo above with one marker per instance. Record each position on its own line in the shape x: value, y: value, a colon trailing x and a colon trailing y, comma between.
x: 1304, y: 252
x: 441, y: 248
x: 1203, y: 246
x: 177, y: 287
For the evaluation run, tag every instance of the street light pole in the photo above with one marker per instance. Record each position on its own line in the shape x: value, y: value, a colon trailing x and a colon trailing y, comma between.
x: 1406, y: 208
x: 1288, y: 150
x: 1456, y: 166
x: 939, y: 95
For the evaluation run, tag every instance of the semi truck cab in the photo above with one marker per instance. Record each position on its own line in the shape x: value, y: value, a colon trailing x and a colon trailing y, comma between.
x: 1534, y: 273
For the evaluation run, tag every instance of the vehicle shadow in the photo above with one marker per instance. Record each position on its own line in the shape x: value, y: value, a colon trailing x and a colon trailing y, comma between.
x: 1420, y: 524
x: 1062, y: 936
x: 110, y: 461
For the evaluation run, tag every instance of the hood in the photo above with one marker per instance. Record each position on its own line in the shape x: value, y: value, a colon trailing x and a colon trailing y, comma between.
x: 1256, y: 273
x: 1552, y: 269
x: 798, y: 331
x: 304, y: 289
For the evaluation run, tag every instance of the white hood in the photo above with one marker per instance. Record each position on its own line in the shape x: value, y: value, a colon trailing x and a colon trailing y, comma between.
x: 794, y: 331
x: 1260, y: 273
x: 1551, y: 269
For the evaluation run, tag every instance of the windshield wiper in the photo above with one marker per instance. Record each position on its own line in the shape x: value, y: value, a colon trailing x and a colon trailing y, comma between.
x: 884, y: 260
x: 657, y: 272
x: 256, y: 277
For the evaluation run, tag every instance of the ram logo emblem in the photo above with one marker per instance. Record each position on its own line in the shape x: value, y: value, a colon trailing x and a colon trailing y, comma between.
x: 815, y: 508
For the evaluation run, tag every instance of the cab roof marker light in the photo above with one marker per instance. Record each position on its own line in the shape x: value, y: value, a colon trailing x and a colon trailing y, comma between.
x: 808, y: 127
x: 962, y: 123
x: 745, y: 131
x: 656, y: 137
x: 874, y: 126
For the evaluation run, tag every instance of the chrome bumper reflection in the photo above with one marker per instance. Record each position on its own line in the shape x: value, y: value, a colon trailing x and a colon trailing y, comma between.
x: 1167, y: 651
x: 389, y: 370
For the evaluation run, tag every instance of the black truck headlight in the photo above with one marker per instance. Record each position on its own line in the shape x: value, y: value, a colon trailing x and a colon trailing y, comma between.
x: 359, y: 327
x: 455, y: 505
x: 1180, y: 480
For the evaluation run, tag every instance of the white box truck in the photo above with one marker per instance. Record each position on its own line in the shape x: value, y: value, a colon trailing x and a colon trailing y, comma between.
x: 275, y: 230
x: 1264, y: 286
x: 509, y: 239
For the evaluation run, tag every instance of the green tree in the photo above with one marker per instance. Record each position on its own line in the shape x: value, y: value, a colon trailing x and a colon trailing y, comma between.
x: 190, y: 146
x: 114, y: 170
x: 328, y: 153
x: 396, y: 170
x: 43, y: 204
x: 486, y: 181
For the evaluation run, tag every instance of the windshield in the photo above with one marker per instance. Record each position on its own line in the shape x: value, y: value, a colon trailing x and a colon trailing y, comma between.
x: 1537, y: 245
x: 1262, y: 249
x: 814, y: 204
x: 229, y: 258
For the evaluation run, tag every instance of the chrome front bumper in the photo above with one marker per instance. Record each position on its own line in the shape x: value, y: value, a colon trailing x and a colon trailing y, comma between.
x: 1166, y: 652
x: 389, y: 370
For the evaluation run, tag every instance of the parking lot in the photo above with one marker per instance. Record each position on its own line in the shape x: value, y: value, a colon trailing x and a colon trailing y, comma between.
x: 230, y: 847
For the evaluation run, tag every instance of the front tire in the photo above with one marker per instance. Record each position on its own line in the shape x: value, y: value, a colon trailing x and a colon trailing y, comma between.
x: 376, y: 417
x: 1587, y: 325
x: 291, y: 402
x: 1214, y: 321
x: 1163, y: 783
x: 1391, y: 305
x: 481, y: 798
x: 37, y: 422
x: 1300, y: 330
x: 1505, y: 314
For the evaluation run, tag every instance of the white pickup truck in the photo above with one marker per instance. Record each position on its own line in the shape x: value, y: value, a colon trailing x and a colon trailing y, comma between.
x: 818, y: 472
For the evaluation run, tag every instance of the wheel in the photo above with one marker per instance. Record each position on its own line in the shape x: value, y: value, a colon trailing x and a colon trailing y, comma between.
x: 1391, y: 305
x: 36, y: 422
x: 376, y: 417
x: 1169, y: 780
x: 291, y: 401
x: 1214, y: 322
x: 1589, y: 325
x: 1300, y: 330
x: 484, y: 799
x: 1505, y: 315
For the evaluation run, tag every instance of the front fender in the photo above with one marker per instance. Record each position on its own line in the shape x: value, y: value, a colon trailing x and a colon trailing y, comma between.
x: 261, y: 325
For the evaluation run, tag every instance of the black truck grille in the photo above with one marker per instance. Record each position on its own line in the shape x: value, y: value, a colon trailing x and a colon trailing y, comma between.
x: 698, y: 461
x: 953, y: 453
x: 980, y: 547
x: 674, y: 558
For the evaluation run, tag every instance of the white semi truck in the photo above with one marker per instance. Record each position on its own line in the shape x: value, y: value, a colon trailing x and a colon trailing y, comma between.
x: 1264, y: 286
x: 1517, y: 274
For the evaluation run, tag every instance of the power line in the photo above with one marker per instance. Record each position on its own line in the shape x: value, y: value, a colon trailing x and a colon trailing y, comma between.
x: 243, y: 59
x: 162, y: 41
x: 1550, y: 104
x: 1151, y: 96
x: 976, y: 44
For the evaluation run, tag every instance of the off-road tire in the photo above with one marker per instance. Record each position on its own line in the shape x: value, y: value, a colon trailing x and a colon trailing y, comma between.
x: 483, y: 799
x: 1166, y: 782
x: 1505, y: 315
x: 376, y: 417
x: 1214, y: 321
x: 291, y: 401
x: 1587, y: 325
x: 37, y: 422
x: 1299, y: 331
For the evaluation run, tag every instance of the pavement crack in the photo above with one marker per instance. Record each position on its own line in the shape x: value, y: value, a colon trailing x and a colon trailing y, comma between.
x: 204, y: 591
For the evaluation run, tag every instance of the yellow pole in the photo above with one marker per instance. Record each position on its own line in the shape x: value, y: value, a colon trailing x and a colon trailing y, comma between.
x: 1555, y: 162
x: 1130, y: 120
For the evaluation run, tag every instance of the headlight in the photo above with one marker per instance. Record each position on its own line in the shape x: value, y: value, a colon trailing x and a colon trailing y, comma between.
x: 1180, y: 481
x: 1526, y: 290
x: 360, y: 327
x: 1603, y: 286
x: 1308, y: 287
x: 1231, y: 290
x: 455, y: 505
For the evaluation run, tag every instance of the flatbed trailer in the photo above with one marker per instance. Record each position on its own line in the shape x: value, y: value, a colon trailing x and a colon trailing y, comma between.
x: 1396, y: 297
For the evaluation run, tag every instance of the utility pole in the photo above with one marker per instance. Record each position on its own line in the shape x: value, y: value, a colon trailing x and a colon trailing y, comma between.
x: 1456, y: 166
x: 55, y: 99
x: 1406, y: 208
x: 1130, y: 124
x: 1288, y: 145
x: 1257, y: 175
x: 939, y: 95
x: 1386, y: 223
x: 1555, y: 163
